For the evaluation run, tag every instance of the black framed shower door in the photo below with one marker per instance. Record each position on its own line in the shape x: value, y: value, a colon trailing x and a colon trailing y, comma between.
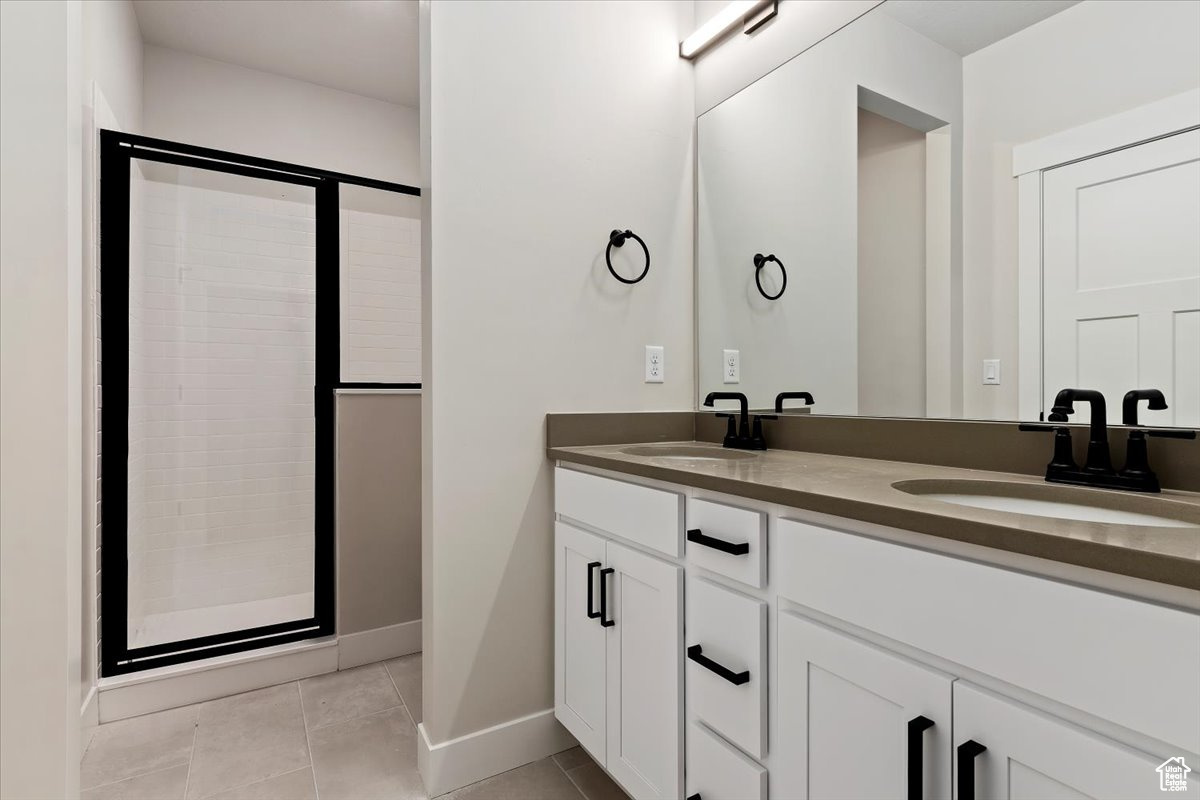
x: 181, y: 317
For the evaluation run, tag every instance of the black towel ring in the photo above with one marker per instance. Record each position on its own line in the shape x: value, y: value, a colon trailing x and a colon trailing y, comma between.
x: 759, y: 262
x: 617, y: 239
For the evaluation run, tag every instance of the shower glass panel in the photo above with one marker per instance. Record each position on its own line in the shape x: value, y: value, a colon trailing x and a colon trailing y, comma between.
x: 222, y: 354
x: 380, y: 315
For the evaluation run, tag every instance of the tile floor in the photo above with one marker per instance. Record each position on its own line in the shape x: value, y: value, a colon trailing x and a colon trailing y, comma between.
x: 348, y: 735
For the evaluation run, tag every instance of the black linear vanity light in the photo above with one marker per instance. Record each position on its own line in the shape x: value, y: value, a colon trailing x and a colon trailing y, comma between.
x: 752, y: 14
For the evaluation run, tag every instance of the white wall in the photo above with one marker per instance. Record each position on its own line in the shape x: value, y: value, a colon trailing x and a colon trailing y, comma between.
x: 777, y: 173
x: 41, y: 313
x: 204, y: 102
x: 551, y: 124
x: 112, y: 98
x: 1090, y: 61
x: 112, y: 57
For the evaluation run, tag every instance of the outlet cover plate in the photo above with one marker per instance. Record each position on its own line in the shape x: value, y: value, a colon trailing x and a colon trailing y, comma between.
x: 731, y: 366
x: 654, y: 363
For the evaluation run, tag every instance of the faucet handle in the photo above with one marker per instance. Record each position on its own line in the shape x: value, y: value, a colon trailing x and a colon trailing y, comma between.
x: 1064, y: 456
x: 1170, y: 433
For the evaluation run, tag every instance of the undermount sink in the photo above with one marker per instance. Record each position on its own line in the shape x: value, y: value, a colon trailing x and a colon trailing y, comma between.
x: 686, y: 452
x: 1059, y: 502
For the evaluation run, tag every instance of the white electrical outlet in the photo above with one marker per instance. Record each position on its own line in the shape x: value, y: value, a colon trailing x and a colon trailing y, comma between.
x: 731, y: 366
x: 654, y: 363
x: 991, y: 372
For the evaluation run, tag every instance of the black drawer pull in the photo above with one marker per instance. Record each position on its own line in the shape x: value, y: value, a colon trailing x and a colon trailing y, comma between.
x: 696, y: 653
x: 592, y: 589
x: 694, y: 535
x: 916, y: 759
x: 695, y: 796
x: 966, y: 768
x: 604, y: 620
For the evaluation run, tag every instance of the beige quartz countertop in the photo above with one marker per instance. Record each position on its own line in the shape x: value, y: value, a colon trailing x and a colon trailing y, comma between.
x: 862, y: 489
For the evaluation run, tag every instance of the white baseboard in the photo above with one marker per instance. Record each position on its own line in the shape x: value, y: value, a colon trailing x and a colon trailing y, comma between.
x: 459, y: 762
x: 379, y: 644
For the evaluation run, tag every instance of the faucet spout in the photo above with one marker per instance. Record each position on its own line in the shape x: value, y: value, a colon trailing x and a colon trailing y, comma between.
x: 743, y: 403
x: 1098, y: 458
x: 1129, y: 405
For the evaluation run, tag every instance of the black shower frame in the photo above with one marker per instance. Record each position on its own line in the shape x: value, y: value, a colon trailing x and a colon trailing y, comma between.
x: 117, y: 150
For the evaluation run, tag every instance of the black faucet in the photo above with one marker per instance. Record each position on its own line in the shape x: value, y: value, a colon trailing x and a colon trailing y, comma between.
x: 1098, y: 471
x: 1137, y: 456
x: 739, y: 436
x: 1129, y: 405
x: 1099, y: 461
x: 779, y: 398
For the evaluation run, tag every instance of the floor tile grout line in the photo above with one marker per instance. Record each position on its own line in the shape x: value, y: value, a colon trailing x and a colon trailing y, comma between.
x: 187, y: 782
x: 571, y: 780
x: 407, y: 710
x: 137, y: 775
x: 307, y: 742
x: 159, y: 768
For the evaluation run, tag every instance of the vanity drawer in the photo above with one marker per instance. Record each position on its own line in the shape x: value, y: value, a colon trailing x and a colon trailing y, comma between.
x: 717, y: 771
x: 650, y: 517
x: 726, y: 663
x: 1080, y: 647
x: 727, y: 540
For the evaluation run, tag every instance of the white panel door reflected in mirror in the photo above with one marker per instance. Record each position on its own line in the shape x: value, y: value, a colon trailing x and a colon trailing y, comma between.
x: 977, y: 204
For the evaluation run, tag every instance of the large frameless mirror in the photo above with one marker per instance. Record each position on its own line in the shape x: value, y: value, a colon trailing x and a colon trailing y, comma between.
x: 954, y: 209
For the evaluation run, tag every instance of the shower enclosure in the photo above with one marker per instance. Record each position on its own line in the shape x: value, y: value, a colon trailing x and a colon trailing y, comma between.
x: 219, y: 355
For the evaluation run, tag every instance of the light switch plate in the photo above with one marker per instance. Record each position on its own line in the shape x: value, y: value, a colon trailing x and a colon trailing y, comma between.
x: 991, y: 372
x: 731, y: 366
x: 654, y: 363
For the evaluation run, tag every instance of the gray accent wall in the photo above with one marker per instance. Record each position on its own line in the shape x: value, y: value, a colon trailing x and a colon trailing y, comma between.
x: 378, y: 510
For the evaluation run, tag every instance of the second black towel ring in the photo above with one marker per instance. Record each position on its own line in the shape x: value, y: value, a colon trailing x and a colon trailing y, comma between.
x: 617, y: 239
x: 759, y: 262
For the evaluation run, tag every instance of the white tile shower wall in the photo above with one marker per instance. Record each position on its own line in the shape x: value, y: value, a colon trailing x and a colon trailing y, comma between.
x: 221, y: 404
x: 381, y: 298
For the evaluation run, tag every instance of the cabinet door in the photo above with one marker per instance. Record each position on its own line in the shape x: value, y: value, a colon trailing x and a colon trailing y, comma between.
x: 1033, y: 756
x: 579, y: 641
x: 850, y: 719
x: 645, y: 674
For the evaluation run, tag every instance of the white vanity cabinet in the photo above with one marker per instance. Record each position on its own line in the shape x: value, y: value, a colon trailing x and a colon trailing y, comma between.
x: 618, y: 671
x: 840, y: 660
x: 856, y: 720
x: 1030, y: 755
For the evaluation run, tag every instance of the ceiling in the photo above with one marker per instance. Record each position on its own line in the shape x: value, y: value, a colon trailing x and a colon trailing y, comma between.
x: 367, y: 47
x: 965, y: 26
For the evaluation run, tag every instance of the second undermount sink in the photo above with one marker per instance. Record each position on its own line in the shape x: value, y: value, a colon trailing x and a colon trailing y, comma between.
x: 687, y: 452
x: 1059, y: 502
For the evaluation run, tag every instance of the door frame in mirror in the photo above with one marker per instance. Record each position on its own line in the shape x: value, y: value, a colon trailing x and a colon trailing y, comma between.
x: 1168, y: 117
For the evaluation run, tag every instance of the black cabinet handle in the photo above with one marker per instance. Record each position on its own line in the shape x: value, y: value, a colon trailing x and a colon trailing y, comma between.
x: 695, y: 796
x: 592, y: 588
x: 696, y: 653
x: 694, y: 535
x: 604, y: 620
x: 916, y: 758
x: 966, y: 768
